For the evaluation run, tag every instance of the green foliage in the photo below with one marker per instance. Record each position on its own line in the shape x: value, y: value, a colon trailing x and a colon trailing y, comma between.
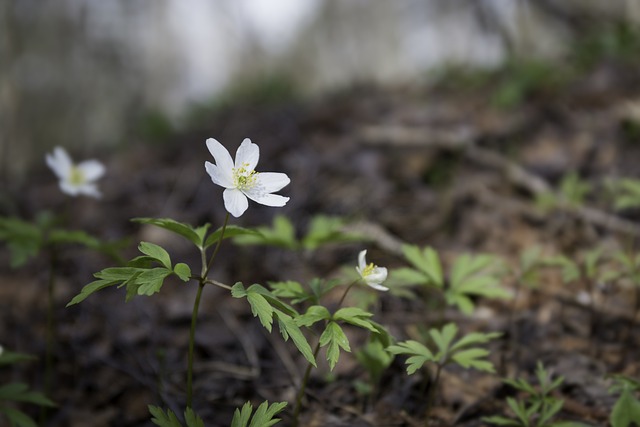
x: 196, y: 235
x: 169, y: 419
x: 267, y: 307
x: 333, y: 336
x: 469, y: 276
x: 13, y: 393
x: 298, y: 293
x: 26, y: 240
x: 626, y: 193
x: 445, y: 351
x: 626, y: 410
x: 263, y: 416
x: 373, y: 357
x: 139, y: 277
x: 572, y: 193
x: 322, y: 230
x: 538, y: 408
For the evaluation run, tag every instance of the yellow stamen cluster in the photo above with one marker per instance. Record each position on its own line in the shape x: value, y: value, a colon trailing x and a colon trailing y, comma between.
x: 244, y: 179
x: 369, y: 269
x: 76, y: 176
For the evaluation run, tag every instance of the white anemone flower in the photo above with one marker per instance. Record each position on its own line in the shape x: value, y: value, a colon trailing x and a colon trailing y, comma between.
x: 75, y: 179
x: 371, y: 273
x: 241, y: 180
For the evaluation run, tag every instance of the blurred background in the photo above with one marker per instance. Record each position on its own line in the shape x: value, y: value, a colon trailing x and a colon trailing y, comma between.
x: 87, y: 73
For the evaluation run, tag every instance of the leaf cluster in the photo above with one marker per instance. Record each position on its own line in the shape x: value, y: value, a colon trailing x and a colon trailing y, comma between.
x: 626, y: 410
x: 263, y: 417
x: 26, y: 240
x: 143, y: 275
x: 444, y: 350
x: 333, y: 336
x: 469, y: 276
x: 268, y: 308
x: 322, y: 230
x: 298, y: 293
x: 169, y: 419
x: 17, y: 392
x: 538, y: 408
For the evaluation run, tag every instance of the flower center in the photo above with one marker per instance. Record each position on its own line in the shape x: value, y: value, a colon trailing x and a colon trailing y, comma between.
x: 244, y: 179
x: 76, y: 177
x: 369, y: 269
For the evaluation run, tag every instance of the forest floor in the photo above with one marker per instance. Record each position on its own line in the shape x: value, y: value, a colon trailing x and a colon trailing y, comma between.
x: 436, y: 165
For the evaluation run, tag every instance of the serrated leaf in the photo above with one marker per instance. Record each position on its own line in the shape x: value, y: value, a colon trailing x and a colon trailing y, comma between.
x: 272, y: 299
x: 156, y: 252
x: 408, y: 276
x: 419, y: 353
x: 91, y: 288
x: 334, y: 338
x: 314, y: 314
x: 281, y: 234
x: 355, y: 316
x: 471, y: 358
x: 230, y: 231
x: 289, y: 328
x: 261, y: 308
x: 443, y: 338
x: 324, y: 229
x: 241, y: 418
x: 263, y: 416
x: 162, y: 419
x: 427, y: 261
x: 467, y: 265
x: 238, y: 291
x: 290, y: 289
x: 183, y: 271
x: 473, y: 339
x: 194, y: 235
x: 150, y: 281
x: 192, y: 419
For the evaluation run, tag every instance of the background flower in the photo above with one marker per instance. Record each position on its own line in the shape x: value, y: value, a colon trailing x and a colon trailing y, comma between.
x: 74, y: 179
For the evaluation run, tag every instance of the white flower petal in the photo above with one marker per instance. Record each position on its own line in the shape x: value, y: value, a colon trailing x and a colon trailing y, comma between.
x: 59, y: 162
x: 270, y: 182
x: 91, y: 169
x: 273, y: 200
x: 219, y: 176
x: 378, y: 275
x: 362, y: 261
x: 90, y: 190
x: 235, y: 202
x: 221, y: 155
x: 68, y: 188
x: 247, y: 155
x: 378, y: 287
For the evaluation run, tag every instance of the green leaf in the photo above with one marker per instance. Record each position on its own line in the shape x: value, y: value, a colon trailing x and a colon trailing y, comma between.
x: 443, y: 338
x: 471, y: 359
x: 230, y: 231
x: 289, y: 328
x: 238, y: 291
x: 261, y: 308
x: 162, y: 419
x: 281, y: 234
x: 17, y: 417
x: 194, y: 235
x: 23, y: 239
x: 324, y: 229
x: 409, y: 276
x: 192, y: 419
x: 314, y: 314
x: 290, y: 289
x: 19, y: 392
x: 10, y: 358
x: 150, y: 281
x: 355, y: 316
x: 334, y: 337
x: 500, y: 421
x: 156, y: 252
x: 473, y: 339
x: 418, y: 352
x: 626, y: 410
x: 427, y: 261
x: 467, y: 265
x: 91, y: 288
x: 262, y: 418
x: 183, y: 271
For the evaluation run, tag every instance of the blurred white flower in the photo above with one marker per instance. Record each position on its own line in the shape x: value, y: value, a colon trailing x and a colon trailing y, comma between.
x: 75, y: 179
x: 240, y: 179
x: 371, y: 273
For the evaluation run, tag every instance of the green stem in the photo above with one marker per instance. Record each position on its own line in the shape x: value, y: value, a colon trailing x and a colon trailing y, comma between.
x: 48, y: 367
x: 307, y: 372
x: 192, y: 334
x: 206, y: 266
x: 432, y: 394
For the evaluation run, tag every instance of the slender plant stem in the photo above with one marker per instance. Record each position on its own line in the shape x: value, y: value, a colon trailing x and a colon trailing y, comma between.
x: 432, y: 394
x: 307, y: 372
x: 192, y: 334
x: 48, y: 367
x: 202, y: 280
